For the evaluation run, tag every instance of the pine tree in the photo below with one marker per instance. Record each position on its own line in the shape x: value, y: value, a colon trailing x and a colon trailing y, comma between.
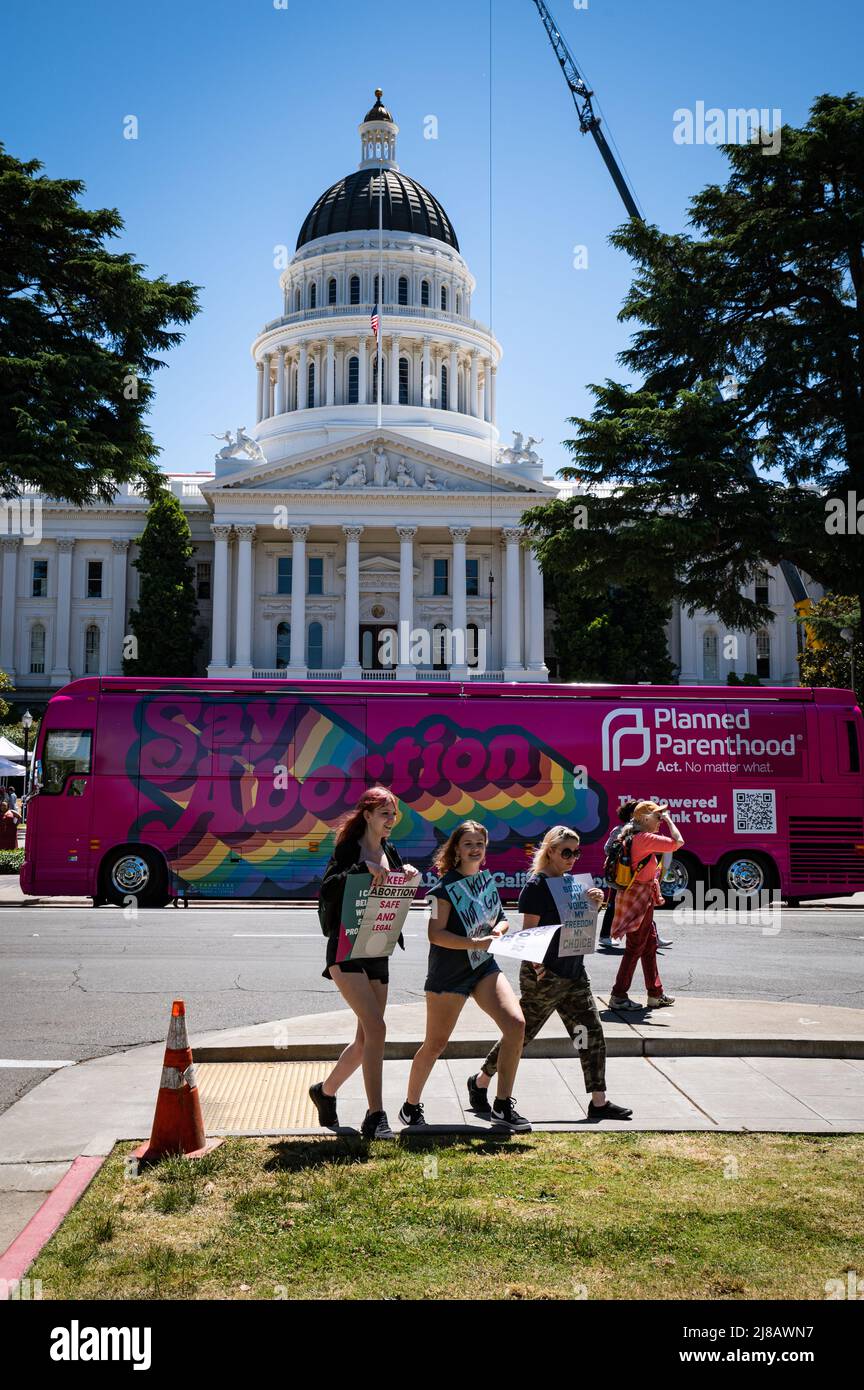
x: 164, y: 624
x: 766, y: 295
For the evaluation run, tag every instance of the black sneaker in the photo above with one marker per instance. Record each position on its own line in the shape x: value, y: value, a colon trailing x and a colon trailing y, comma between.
x: 325, y: 1105
x: 376, y: 1125
x: 504, y: 1112
x: 478, y: 1100
x: 411, y: 1116
x: 608, y: 1111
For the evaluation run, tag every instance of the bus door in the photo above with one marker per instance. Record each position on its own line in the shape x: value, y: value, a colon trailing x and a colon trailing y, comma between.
x: 257, y: 785
x: 59, y: 816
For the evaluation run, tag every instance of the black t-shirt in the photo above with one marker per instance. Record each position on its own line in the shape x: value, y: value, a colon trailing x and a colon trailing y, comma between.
x: 447, y: 967
x: 348, y: 859
x: 537, y: 900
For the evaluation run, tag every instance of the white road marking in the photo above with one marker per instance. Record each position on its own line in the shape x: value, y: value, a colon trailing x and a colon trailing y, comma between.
x: 29, y: 1064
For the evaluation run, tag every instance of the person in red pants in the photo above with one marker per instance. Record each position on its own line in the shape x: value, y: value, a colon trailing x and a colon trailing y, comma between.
x: 654, y: 834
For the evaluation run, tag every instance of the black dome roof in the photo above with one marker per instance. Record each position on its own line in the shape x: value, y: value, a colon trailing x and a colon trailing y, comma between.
x: 351, y: 205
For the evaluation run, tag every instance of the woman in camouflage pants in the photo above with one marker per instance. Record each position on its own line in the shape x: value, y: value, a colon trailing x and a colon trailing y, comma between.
x: 560, y: 985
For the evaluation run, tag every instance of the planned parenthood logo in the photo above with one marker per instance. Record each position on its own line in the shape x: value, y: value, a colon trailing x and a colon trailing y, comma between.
x: 634, y: 728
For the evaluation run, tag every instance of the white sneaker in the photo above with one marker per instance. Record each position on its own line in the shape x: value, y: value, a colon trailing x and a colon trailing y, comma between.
x: 624, y: 1002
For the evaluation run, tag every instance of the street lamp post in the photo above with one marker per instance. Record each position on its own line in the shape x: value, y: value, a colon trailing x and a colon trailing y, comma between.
x: 27, y: 722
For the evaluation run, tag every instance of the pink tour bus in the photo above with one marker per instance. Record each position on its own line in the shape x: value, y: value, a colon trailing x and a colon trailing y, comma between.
x: 161, y: 789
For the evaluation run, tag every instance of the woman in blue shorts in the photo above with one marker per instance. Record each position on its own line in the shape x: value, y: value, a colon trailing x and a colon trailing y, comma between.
x: 453, y: 976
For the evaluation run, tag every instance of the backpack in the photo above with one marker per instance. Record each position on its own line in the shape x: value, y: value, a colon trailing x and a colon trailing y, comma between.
x: 618, y: 871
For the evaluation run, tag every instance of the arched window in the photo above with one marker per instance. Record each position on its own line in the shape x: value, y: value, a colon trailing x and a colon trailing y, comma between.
x: 762, y: 591
x: 331, y: 291
x: 403, y: 381
x: 376, y: 290
x: 763, y: 655
x: 315, y: 647
x: 297, y: 301
x: 472, y: 645
x: 710, y: 665
x: 367, y: 650
x: 283, y: 646
x: 313, y: 295
x: 354, y: 289
x: 375, y: 380
x: 445, y: 398
x: 353, y: 380
x: 37, y: 649
x: 444, y: 298
x: 91, y: 650
x: 424, y: 293
x: 403, y: 289
x: 439, y: 647
x: 310, y: 386
x: 458, y: 301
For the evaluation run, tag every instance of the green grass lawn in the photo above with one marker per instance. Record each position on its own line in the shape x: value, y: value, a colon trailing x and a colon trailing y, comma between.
x: 706, y: 1216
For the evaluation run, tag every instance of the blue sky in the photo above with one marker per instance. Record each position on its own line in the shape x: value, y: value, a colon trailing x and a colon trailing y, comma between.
x: 247, y: 112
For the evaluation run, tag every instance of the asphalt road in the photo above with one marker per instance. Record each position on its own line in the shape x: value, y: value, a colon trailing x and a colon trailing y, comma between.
x: 78, y: 982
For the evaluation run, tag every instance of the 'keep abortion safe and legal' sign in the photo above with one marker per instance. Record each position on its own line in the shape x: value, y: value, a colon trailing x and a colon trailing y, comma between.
x: 373, y: 918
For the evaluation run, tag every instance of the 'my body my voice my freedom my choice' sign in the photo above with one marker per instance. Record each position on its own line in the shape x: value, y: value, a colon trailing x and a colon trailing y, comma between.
x: 372, y: 918
x: 576, y: 912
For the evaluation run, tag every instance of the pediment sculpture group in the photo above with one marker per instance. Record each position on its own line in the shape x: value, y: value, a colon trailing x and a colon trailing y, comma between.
x: 378, y: 472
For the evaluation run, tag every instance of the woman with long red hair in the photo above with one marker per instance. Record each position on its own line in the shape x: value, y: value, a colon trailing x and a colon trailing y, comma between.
x: 362, y: 847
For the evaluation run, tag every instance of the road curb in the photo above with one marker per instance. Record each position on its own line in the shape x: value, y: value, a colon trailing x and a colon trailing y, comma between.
x: 17, y: 1259
x: 316, y: 1049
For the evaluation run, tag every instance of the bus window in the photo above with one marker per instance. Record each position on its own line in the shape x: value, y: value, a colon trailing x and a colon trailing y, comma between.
x: 66, y: 751
x: 850, y: 756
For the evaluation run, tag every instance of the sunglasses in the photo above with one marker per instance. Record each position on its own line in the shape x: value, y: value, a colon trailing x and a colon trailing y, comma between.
x: 569, y: 853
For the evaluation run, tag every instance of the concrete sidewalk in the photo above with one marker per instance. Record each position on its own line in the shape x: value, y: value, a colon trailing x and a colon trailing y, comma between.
x: 723, y: 1065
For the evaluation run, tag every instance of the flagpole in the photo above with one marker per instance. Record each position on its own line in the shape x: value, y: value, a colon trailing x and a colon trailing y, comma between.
x: 380, y: 296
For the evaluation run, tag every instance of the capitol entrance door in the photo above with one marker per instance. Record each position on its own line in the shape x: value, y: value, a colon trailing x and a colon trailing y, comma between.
x: 371, y: 646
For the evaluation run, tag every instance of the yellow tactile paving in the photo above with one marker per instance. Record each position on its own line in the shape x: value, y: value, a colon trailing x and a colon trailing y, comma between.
x: 246, y: 1096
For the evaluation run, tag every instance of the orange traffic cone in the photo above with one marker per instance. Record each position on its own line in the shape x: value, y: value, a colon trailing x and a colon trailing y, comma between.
x: 178, y: 1125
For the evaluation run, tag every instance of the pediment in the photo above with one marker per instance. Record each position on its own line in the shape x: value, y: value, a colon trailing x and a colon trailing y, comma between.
x: 382, y: 463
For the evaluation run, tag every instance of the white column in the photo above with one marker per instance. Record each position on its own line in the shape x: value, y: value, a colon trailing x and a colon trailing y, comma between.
x: 459, y: 669
x: 118, y: 607
x: 303, y: 377
x: 219, y: 635
x: 426, y: 383
x: 243, y: 620
x: 61, y: 672
x: 536, y: 635
x: 331, y: 384
x: 394, y: 370
x: 406, y: 534
x: 512, y: 605
x: 487, y: 390
x: 298, y: 602
x: 493, y: 404
x: 268, y: 387
x: 688, y: 674
x: 259, y: 408
x: 9, y: 546
x: 280, y: 383
x: 453, y: 379
x: 362, y: 384
x: 351, y: 662
x: 473, y: 402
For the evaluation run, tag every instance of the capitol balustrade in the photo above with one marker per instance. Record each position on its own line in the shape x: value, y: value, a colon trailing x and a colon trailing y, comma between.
x: 410, y: 311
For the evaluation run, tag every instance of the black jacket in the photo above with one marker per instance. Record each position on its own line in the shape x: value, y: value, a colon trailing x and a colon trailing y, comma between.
x: 347, y: 859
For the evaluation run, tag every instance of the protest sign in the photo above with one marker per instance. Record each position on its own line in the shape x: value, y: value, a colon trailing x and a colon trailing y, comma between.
x: 531, y: 943
x: 577, y: 914
x: 372, y: 918
x: 476, y: 900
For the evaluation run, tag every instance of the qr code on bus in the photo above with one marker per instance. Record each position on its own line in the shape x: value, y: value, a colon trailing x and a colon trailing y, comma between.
x: 755, y: 813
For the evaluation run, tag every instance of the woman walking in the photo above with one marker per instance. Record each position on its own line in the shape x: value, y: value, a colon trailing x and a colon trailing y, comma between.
x: 634, y: 907
x: 560, y: 985
x: 453, y: 976
x: 362, y: 847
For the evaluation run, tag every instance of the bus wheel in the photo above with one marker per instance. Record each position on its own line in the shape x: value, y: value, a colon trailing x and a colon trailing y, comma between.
x: 135, y: 873
x: 683, y: 875
x: 746, y: 874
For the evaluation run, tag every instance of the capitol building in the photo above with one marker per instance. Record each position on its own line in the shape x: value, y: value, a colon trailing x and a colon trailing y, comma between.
x: 369, y: 525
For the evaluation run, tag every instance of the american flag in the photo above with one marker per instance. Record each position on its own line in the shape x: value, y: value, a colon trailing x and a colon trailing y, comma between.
x: 376, y: 322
